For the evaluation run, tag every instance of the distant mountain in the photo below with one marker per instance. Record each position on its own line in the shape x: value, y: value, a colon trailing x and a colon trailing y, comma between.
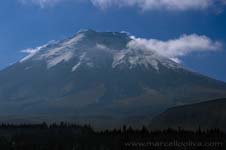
x: 95, y: 77
x: 211, y: 114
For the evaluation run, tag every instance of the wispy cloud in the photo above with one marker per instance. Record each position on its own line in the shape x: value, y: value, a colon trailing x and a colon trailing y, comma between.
x: 179, y: 5
x: 155, y: 4
x: 41, y: 3
x: 176, y: 48
x: 175, y: 5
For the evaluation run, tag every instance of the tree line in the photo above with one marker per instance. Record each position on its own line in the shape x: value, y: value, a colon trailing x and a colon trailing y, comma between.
x: 66, y: 136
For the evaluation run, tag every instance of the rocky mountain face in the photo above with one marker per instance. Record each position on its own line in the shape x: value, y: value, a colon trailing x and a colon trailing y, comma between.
x: 95, y: 77
x: 209, y: 115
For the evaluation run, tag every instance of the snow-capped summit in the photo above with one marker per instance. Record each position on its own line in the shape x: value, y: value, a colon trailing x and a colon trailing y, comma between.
x: 89, y: 46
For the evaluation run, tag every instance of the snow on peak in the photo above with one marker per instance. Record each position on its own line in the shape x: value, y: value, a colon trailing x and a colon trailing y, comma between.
x: 98, y: 50
x: 31, y: 52
x: 62, y: 51
x: 80, y: 61
x: 134, y: 58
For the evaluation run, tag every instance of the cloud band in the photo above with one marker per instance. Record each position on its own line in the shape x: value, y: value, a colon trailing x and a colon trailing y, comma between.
x: 176, y: 48
x: 179, y: 5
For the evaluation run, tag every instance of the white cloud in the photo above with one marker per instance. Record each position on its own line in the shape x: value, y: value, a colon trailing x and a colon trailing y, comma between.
x: 176, y: 48
x: 142, y: 4
x: 159, y: 4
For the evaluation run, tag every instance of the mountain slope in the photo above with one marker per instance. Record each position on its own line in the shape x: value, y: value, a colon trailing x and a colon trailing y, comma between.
x: 211, y: 114
x: 94, y: 76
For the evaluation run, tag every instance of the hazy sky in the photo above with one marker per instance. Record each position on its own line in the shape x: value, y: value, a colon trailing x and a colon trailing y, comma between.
x: 190, y: 31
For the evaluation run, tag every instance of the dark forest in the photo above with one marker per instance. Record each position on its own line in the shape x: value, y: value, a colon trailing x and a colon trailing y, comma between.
x: 65, y: 136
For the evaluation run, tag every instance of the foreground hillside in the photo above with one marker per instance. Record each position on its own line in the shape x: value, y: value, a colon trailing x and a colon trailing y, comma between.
x: 211, y: 114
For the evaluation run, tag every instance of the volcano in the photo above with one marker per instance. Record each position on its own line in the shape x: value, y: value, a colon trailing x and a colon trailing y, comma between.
x: 96, y: 78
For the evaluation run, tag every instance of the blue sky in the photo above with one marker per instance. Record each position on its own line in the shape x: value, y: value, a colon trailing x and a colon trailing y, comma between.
x: 30, y: 23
